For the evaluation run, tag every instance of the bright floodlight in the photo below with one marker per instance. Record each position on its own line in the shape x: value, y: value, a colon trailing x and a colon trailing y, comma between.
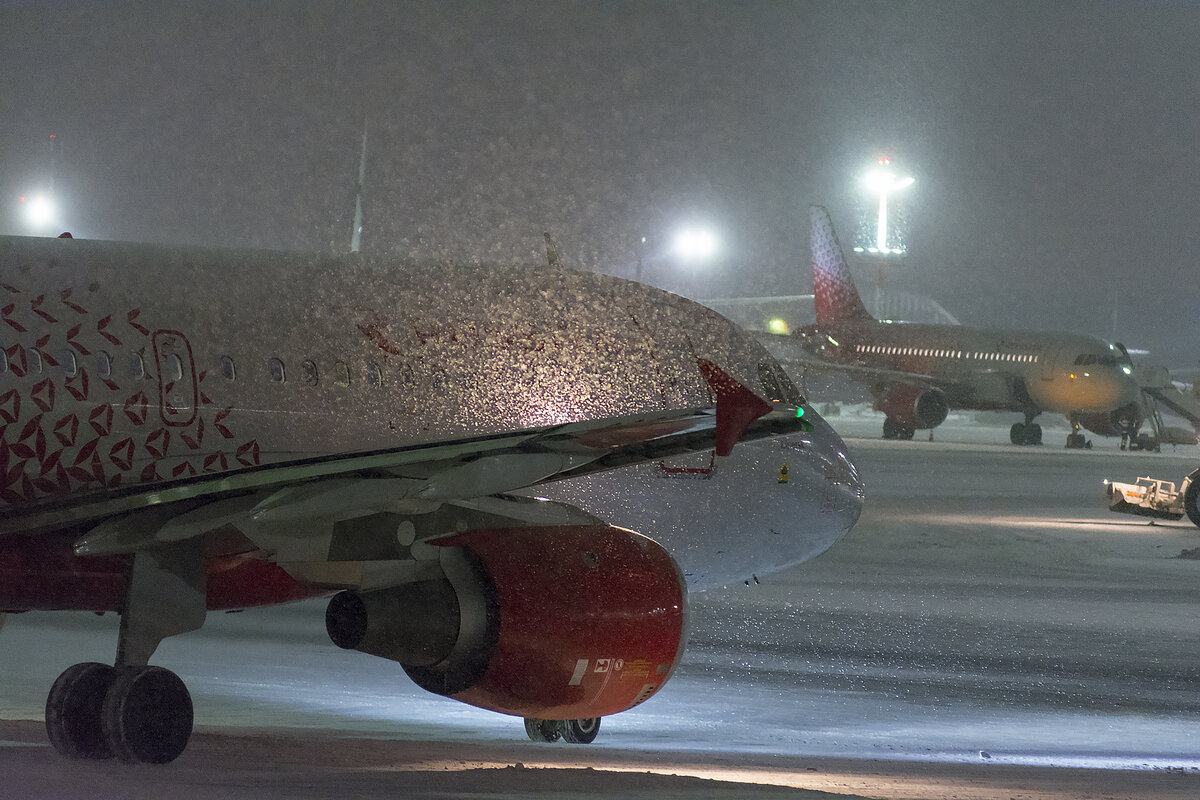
x: 695, y: 244
x: 39, y: 211
x: 882, y: 181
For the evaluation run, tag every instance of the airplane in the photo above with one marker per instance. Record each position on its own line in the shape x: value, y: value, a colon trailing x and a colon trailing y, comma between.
x: 918, y: 372
x: 457, y: 454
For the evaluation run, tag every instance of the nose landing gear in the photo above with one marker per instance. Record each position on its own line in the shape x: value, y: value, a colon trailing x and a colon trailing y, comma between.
x: 573, y: 731
x: 1075, y: 439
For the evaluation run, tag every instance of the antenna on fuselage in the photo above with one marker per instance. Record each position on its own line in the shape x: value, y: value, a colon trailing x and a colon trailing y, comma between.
x: 356, y: 231
x: 552, y: 252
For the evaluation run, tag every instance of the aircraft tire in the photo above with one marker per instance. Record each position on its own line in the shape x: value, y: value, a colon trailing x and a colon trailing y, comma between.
x: 890, y: 428
x: 580, y: 731
x: 1191, y: 499
x: 147, y: 715
x: 1076, y: 441
x: 1016, y: 434
x: 542, y: 730
x: 905, y: 432
x: 1033, y: 433
x: 73, y: 711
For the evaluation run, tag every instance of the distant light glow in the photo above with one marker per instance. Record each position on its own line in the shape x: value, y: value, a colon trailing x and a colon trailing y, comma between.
x: 883, y: 181
x: 39, y: 211
x: 779, y: 326
x: 695, y: 244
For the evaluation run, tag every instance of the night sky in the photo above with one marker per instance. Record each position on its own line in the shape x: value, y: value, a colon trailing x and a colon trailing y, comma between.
x: 1053, y: 144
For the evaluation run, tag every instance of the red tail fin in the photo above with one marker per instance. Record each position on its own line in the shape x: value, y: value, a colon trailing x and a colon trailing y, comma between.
x: 833, y: 289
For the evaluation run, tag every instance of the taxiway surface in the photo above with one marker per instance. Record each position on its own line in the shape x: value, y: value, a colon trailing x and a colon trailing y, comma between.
x: 988, y: 629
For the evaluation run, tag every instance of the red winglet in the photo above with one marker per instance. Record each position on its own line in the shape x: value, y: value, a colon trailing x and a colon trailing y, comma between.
x: 737, y: 406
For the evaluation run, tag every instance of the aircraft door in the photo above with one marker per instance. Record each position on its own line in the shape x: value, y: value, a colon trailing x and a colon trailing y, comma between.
x: 1049, y: 360
x: 177, y: 385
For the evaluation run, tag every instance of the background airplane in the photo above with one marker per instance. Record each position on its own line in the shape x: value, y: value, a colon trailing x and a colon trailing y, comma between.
x: 184, y: 430
x: 917, y: 372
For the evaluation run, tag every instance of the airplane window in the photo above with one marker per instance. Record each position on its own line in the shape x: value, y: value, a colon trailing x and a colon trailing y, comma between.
x: 374, y: 375
x: 103, y: 365
x: 228, y: 368
x: 172, y: 368
x: 66, y: 360
x: 35, y: 362
x: 341, y: 374
x: 308, y: 373
x: 137, y: 367
x: 275, y: 367
x: 3, y: 361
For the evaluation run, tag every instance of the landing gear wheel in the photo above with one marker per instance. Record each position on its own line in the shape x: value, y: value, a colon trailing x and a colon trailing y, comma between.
x: 73, y: 711
x: 891, y: 428
x: 580, y: 731
x: 147, y: 715
x: 905, y: 432
x: 1016, y: 434
x: 542, y: 730
x: 1191, y: 499
x: 1033, y: 433
x: 1076, y: 441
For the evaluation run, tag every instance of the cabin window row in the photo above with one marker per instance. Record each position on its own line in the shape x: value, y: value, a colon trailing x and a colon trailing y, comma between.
x: 308, y: 373
x: 891, y: 350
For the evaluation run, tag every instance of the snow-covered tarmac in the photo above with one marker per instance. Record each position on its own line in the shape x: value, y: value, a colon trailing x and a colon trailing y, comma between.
x: 988, y: 629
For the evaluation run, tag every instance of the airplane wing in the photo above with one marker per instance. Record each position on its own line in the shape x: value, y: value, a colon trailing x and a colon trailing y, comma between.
x: 434, y: 472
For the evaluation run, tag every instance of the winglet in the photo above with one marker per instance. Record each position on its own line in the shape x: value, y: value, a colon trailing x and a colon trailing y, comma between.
x: 737, y: 406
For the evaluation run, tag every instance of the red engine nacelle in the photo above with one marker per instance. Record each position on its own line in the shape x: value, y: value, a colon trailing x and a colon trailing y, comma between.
x: 913, y: 406
x: 546, y: 622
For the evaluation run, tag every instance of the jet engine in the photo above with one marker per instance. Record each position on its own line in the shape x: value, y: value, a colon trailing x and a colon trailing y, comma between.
x: 914, y: 407
x: 1110, y: 423
x: 545, y: 622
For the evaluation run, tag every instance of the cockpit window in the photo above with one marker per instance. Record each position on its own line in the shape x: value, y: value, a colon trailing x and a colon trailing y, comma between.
x: 770, y: 383
x: 777, y: 385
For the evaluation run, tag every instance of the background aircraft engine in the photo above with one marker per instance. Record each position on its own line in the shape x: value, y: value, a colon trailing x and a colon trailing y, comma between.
x: 554, y: 622
x: 1108, y: 423
x: 914, y: 406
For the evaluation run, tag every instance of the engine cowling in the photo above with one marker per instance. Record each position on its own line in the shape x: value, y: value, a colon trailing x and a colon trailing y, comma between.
x: 914, y: 406
x: 556, y: 622
x: 1111, y: 423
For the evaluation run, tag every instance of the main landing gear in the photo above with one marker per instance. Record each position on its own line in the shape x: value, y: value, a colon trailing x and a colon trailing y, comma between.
x: 573, y: 731
x: 893, y: 429
x: 137, y: 714
x: 132, y: 711
x: 1025, y: 433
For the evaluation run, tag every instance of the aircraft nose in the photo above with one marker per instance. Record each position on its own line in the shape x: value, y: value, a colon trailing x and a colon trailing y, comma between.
x: 827, y: 491
x: 844, y: 492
